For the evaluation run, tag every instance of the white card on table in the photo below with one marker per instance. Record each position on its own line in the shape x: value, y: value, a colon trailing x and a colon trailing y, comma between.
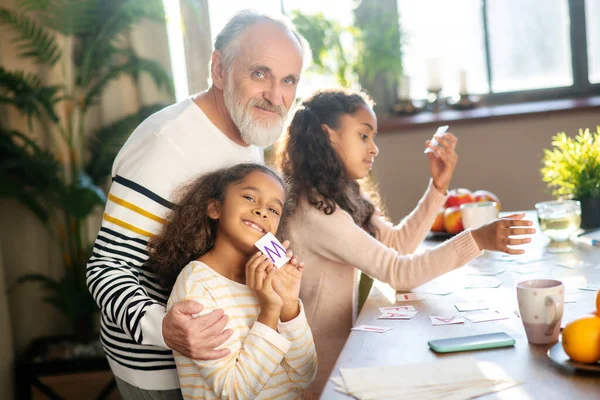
x: 439, y: 290
x: 371, y: 328
x: 591, y: 287
x: 270, y: 246
x: 527, y: 268
x: 397, y: 308
x: 569, y: 298
x: 485, y: 270
x: 408, y: 297
x: 471, y: 306
x: 531, y: 259
x: 574, y: 264
x: 438, y: 134
x: 397, y: 315
x: 482, y: 316
x: 451, y: 320
x: 483, y: 282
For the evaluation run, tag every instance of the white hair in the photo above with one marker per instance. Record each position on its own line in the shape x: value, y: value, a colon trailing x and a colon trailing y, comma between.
x: 228, y: 40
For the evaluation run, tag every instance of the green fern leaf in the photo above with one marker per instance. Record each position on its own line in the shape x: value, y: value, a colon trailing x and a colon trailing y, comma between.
x: 28, y: 173
x: 32, y: 40
x: 119, y: 20
x: 27, y: 93
x: 133, y: 67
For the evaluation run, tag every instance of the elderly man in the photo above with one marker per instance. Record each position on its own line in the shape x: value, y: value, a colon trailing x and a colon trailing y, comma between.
x: 255, y: 69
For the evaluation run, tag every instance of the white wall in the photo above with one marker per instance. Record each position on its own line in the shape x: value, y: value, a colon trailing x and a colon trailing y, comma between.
x: 502, y: 156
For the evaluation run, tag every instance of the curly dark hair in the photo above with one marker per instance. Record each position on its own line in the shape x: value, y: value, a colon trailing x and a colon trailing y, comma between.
x: 189, y: 232
x: 310, y: 165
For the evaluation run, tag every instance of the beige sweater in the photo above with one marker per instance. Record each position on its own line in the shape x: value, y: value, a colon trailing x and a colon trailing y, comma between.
x: 334, y: 248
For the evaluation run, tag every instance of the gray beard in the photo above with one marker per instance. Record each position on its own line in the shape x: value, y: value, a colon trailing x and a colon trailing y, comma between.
x: 253, y: 132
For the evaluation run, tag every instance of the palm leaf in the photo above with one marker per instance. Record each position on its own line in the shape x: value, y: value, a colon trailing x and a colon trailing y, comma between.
x: 28, y: 173
x: 134, y: 66
x: 46, y: 282
x: 27, y: 93
x: 69, y: 17
x: 32, y: 40
x: 81, y: 198
x: 119, y: 19
x: 105, y: 143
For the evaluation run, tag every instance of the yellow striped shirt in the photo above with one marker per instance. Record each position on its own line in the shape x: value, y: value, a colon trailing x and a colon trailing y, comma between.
x: 263, y: 364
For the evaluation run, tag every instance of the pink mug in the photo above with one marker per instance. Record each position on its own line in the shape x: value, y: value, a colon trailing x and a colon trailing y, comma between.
x: 541, y: 304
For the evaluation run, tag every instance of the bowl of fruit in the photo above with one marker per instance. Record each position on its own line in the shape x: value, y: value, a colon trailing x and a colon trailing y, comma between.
x: 448, y: 221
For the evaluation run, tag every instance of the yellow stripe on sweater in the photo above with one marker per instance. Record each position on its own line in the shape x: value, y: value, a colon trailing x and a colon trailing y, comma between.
x: 135, y: 208
x: 293, y: 389
x: 125, y: 225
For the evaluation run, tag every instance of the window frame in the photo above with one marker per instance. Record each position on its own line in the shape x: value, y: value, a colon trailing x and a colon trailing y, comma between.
x: 581, y: 86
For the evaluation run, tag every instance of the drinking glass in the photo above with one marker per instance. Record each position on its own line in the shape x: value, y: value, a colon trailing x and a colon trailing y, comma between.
x: 559, y: 220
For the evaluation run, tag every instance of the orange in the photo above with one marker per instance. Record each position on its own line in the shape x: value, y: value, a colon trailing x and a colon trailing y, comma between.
x: 598, y: 303
x: 581, y: 339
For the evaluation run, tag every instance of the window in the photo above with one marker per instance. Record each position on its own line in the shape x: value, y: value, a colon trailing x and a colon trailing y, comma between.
x: 505, y: 50
x: 519, y: 49
x: 592, y: 17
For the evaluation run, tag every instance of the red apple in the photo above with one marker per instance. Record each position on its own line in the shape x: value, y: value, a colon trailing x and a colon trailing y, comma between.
x: 438, y: 224
x: 484, y: 195
x: 453, y: 220
x: 456, y: 197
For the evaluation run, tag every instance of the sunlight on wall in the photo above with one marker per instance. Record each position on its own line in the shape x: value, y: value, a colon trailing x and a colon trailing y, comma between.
x: 176, y: 48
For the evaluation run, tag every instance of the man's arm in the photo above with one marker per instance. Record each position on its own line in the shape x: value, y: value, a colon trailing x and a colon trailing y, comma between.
x: 135, y: 211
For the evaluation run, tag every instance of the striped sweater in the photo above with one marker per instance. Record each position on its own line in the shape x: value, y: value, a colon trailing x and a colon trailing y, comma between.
x: 168, y: 149
x: 263, y: 364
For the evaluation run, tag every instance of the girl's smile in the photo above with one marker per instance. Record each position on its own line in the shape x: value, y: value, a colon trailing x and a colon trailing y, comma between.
x: 254, y: 226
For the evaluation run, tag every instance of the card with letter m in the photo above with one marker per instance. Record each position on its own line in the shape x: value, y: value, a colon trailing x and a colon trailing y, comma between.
x: 270, y: 246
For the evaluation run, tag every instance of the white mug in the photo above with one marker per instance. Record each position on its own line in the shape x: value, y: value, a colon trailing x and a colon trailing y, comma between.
x: 541, y: 304
x: 477, y: 214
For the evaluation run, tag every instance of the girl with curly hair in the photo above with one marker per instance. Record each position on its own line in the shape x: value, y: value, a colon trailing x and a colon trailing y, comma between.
x: 337, y: 230
x: 205, y: 253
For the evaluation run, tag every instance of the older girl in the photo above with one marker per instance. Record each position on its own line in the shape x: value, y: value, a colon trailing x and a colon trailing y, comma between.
x: 337, y: 231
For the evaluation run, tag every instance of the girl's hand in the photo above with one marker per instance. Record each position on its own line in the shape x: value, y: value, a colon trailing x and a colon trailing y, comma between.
x: 260, y: 273
x: 442, y: 167
x: 495, y: 235
x: 287, y: 284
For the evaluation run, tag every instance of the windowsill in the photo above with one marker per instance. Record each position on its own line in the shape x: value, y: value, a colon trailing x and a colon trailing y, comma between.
x: 486, y: 113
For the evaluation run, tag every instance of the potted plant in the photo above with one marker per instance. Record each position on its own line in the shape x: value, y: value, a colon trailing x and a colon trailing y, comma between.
x: 572, y: 170
x: 62, y: 185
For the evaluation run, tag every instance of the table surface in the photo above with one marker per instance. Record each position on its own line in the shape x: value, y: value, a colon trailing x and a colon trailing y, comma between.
x: 406, y: 343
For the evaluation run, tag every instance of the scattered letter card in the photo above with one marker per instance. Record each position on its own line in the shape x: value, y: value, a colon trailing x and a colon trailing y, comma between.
x: 482, y: 316
x: 397, y: 315
x: 397, y: 308
x: 455, y: 319
x: 270, y: 246
x: 371, y: 328
x: 574, y: 264
x: 408, y: 297
x: 591, y: 287
x: 471, y: 306
x: 438, y: 134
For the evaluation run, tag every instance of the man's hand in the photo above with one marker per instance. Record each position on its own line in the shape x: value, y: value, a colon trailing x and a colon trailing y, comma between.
x: 195, y: 338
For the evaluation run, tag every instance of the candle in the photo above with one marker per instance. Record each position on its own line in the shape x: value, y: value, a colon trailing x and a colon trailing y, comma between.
x: 433, y: 71
x: 404, y: 88
x: 462, y: 82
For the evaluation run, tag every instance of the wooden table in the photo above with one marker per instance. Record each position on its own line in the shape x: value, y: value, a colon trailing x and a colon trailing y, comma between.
x: 406, y: 343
